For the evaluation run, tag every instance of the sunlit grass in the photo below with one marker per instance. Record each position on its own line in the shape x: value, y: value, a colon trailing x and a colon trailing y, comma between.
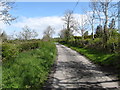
x: 30, y: 69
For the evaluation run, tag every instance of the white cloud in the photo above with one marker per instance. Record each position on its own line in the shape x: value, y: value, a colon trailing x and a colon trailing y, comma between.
x: 41, y: 23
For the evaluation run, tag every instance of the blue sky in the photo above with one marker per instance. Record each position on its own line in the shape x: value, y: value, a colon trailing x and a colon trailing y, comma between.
x: 48, y: 12
x: 35, y: 9
x: 39, y: 15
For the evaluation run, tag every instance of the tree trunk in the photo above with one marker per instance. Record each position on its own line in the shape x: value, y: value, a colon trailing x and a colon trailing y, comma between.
x: 105, y: 26
x: 92, y: 31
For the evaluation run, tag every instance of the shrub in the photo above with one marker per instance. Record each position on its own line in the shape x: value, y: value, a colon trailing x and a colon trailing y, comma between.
x: 113, y: 44
x: 9, y: 51
x: 30, y: 69
x: 28, y: 45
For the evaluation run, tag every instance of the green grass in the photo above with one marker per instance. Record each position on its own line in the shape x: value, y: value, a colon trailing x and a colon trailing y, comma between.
x: 30, y: 69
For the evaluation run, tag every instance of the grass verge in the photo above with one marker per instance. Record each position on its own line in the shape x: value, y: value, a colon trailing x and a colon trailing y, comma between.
x: 101, y: 58
x: 29, y: 69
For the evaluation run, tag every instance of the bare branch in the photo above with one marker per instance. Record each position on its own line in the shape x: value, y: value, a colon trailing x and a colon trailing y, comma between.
x: 5, y: 7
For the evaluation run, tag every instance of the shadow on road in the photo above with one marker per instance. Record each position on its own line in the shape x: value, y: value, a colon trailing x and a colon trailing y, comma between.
x: 73, y: 71
x: 79, y: 72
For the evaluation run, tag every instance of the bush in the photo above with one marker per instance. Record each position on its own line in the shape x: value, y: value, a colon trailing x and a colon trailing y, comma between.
x: 9, y: 51
x: 97, y: 43
x: 28, y: 45
x: 88, y: 43
x: 113, y: 44
x: 30, y: 69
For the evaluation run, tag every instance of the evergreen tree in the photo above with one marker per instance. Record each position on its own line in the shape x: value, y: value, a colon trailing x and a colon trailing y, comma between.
x: 99, y: 31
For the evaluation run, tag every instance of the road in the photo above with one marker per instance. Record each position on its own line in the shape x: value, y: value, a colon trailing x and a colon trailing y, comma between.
x: 74, y: 71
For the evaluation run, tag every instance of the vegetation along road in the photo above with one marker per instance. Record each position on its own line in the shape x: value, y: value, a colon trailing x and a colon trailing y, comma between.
x: 74, y: 71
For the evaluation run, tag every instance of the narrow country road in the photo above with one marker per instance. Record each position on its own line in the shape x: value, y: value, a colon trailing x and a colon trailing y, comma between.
x: 74, y: 71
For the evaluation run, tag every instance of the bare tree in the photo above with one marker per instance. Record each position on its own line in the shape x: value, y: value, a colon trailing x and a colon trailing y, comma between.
x: 48, y: 32
x: 62, y: 33
x: 91, y: 18
x: 82, y: 26
x: 5, y: 7
x: 27, y: 34
x: 105, y: 10
x: 90, y: 15
x: 70, y: 23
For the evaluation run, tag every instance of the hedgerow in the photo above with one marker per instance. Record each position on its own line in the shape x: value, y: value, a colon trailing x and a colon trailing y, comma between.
x: 11, y: 50
x: 30, y: 69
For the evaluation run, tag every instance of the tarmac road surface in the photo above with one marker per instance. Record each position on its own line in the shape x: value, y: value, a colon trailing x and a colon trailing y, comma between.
x: 74, y: 71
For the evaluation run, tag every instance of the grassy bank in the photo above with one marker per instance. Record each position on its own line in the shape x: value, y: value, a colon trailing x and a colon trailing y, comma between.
x: 29, y: 69
x: 101, y: 58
